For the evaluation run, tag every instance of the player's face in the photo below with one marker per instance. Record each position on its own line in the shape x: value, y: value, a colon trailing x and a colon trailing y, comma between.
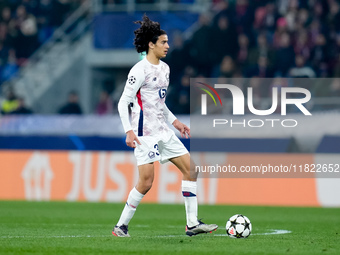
x: 161, y: 46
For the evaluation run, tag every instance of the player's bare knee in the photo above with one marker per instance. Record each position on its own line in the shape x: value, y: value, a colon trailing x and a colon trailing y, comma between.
x: 143, y: 189
x: 146, y: 185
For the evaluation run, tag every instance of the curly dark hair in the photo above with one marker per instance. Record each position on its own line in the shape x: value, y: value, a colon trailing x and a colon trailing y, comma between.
x: 149, y: 31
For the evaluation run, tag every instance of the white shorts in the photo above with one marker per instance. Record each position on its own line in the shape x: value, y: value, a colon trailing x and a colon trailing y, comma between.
x: 158, y: 149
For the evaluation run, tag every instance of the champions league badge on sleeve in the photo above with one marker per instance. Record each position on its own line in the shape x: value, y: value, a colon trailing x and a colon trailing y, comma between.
x: 132, y: 80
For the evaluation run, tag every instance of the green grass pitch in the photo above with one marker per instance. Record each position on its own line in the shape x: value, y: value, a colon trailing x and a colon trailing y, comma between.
x: 85, y: 228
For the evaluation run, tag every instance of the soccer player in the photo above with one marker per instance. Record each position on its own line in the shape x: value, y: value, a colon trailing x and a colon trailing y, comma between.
x: 148, y: 132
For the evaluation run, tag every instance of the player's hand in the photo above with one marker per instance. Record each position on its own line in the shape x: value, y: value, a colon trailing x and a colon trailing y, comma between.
x: 131, y: 138
x: 183, y: 129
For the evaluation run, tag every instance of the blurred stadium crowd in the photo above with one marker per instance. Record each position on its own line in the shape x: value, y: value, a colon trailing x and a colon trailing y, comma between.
x: 24, y: 26
x: 282, y: 38
x: 233, y: 39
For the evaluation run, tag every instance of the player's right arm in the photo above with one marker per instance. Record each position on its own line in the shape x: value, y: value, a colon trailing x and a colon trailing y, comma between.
x: 132, y: 85
x: 171, y: 118
x: 131, y: 138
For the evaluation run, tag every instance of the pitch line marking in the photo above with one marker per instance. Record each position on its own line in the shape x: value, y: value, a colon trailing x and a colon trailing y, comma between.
x: 71, y: 236
x: 274, y: 232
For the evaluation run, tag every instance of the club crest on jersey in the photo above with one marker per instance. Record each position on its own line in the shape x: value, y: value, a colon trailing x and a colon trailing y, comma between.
x: 167, y: 77
x: 151, y: 154
x: 132, y: 80
x: 162, y: 93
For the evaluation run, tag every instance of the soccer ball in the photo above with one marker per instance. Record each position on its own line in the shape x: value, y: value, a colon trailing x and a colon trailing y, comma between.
x: 238, y: 226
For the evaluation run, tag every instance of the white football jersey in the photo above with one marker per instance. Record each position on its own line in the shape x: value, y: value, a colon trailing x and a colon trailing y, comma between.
x: 145, y: 91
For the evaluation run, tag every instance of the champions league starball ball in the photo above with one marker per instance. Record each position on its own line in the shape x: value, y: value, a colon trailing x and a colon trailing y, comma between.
x: 238, y: 226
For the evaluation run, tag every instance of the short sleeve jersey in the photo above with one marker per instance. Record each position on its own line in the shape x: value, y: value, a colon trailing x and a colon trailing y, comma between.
x: 146, y: 88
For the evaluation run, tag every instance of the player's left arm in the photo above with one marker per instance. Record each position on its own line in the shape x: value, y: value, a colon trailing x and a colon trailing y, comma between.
x: 171, y: 118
